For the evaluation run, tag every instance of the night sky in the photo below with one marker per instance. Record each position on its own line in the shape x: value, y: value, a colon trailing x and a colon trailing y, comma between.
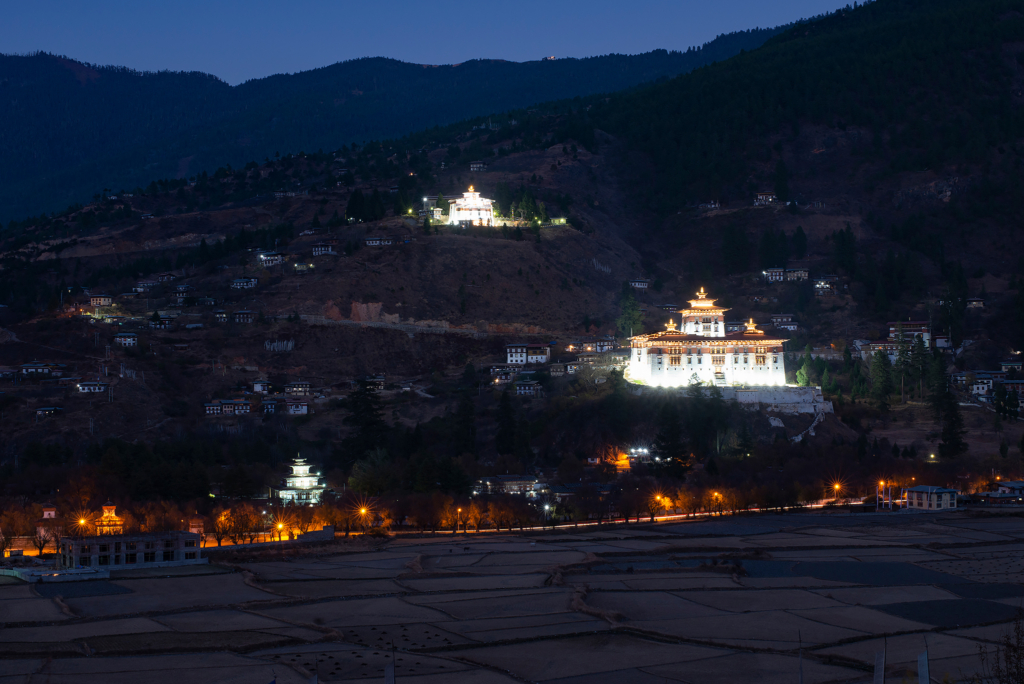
x: 238, y: 40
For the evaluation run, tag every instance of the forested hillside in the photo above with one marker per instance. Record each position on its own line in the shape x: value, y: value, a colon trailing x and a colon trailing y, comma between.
x: 67, y: 129
x: 920, y: 84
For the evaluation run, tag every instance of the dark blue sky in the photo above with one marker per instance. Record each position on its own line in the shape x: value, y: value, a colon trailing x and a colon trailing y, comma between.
x: 238, y: 40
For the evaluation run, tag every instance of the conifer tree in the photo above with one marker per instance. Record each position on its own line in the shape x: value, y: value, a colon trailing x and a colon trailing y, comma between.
x: 881, y: 378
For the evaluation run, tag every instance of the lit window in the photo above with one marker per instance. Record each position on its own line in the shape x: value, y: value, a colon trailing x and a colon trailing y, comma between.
x: 675, y: 360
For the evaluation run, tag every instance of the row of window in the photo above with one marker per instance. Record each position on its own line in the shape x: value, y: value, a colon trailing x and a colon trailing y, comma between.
x: 133, y: 558
x: 759, y: 359
x: 697, y: 352
x: 132, y: 546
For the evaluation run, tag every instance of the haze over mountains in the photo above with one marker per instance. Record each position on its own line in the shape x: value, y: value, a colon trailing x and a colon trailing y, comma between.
x: 69, y: 129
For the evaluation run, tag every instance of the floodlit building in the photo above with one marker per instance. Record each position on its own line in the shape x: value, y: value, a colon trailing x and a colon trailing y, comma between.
x: 702, y: 352
x: 303, y: 486
x: 139, y: 550
x: 471, y: 210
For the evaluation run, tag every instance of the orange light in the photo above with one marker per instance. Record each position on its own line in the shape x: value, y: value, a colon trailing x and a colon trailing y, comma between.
x: 362, y: 511
x: 835, y: 487
x: 280, y: 526
x: 881, y: 483
x: 460, y: 510
x: 82, y: 521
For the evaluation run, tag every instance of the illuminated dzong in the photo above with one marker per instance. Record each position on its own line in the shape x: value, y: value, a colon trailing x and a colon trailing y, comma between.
x: 701, y: 352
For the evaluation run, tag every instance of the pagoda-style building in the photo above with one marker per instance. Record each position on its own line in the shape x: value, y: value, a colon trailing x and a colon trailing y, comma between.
x: 701, y: 352
x: 109, y: 522
x: 471, y: 210
x: 301, y: 487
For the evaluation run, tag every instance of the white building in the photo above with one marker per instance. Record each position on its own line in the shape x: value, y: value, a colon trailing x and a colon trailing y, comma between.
x: 101, y: 300
x: 243, y: 283
x: 703, y: 352
x: 92, y: 387
x: 521, y: 354
x: 928, y: 498
x: 303, y: 486
x: 472, y: 210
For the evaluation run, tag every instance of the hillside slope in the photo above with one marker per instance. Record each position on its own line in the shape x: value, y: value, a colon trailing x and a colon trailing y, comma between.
x: 64, y: 124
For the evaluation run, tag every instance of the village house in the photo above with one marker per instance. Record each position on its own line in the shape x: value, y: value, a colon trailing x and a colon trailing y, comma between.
x: 321, y: 249
x: 373, y: 241
x: 166, y: 277
x: 784, y: 322
x: 44, y: 411
x: 477, y: 166
x: 145, y: 285
x: 300, y: 388
x: 183, y: 287
x: 243, y: 283
x: 1011, y: 487
x: 556, y: 370
x: 228, y: 407
x: 975, y: 303
x: 641, y: 284
x: 826, y: 285
x: 54, y: 370
x: 268, y: 259
x: 297, y: 408
x: 928, y: 498
x: 162, y: 323
x: 507, y: 484
x: 774, y: 275
x: 762, y: 199
x: 261, y: 386
x: 528, y: 388
x: 127, y: 339
x: 301, y: 268
x: 100, y: 300
x: 243, y: 316
x: 92, y: 387
x: 269, y: 405
x: 1011, y: 364
x: 573, y: 367
x: 522, y: 354
x: 797, y: 274
x: 590, y: 345
x: 220, y: 315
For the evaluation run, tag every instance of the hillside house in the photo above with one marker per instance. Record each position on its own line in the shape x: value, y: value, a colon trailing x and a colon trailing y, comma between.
x: 763, y: 199
x: 713, y: 204
x: 797, y: 274
x: 183, y: 288
x: 373, y: 241
x: 127, y: 339
x: 1010, y: 364
x: 101, y: 300
x: 244, y: 283
x: 826, y: 286
x: 477, y: 166
x: 220, y: 316
x: 302, y: 268
x: 784, y: 322
x: 54, y: 370
x: 925, y: 498
x: 297, y: 408
x: 590, y: 345
x: 268, y: 259
x: 261, y: 386
x: 92, y: 387
x: 45, y: 411
x: 975, y: 303
x: 269, y: 406
x: 573, y: 367
x: 162, y: 323
x: 243, y: 317
x: 774, y: 275
x: 521, y: 354
x: 323, y: 249
x: 300, y: 388
x: 145, y: 285
x: 556, y: 370
x: 528, y: 388
x: 228, y: 407
x: 641, y: 284
x: 166, y: 277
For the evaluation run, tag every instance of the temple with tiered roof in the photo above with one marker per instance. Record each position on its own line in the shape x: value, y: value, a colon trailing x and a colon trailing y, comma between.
x: 700, y: 351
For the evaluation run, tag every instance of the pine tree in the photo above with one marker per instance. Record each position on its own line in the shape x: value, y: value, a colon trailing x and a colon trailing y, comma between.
x: 630, y: 322
x: 367, y: 418
x: 881, y: 378
x: 505, y: 440
x: 952, y: 444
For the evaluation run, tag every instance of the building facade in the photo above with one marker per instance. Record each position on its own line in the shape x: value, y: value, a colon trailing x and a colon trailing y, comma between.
x: 303, y: 486
x: 472, y: 210
x: 702, y: 352
x: 130, y: 550
x: 931, y: 498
